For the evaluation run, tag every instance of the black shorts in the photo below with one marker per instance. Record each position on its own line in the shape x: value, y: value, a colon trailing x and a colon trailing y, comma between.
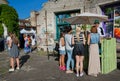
x: 78, y: 49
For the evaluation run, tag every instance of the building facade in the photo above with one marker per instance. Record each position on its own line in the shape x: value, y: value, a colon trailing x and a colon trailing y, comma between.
x: 49, y: 21
x: 3, y: 2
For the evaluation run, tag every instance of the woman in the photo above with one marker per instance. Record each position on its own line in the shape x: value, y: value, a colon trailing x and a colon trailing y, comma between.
x: 94, y: 60
x: 69, y: 42
x: 62, y: 52
x: 25, y: 43
x: 78, y: 50
x: 14, y: 52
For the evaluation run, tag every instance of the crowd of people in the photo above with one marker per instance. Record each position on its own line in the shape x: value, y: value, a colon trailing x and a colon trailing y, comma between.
x: 73, y: 46
x: 29, y: 43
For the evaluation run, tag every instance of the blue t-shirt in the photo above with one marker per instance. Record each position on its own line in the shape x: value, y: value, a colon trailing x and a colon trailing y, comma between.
x: 95, y: 38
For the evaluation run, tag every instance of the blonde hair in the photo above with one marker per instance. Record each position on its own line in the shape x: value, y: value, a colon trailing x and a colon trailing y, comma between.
x: 15, y: 39
x: 78, y: 29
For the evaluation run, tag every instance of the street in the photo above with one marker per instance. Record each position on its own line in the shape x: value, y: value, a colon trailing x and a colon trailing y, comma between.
x: 37, y: 67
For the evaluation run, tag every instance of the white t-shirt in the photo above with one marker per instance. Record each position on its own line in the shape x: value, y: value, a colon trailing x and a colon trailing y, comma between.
x: 8, y: 38
x: 33, y: 41
x: 60, y: 45
x: 101, y: 31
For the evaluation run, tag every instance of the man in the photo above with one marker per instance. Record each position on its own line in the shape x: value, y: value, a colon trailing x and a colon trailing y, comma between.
x: 100, y: 30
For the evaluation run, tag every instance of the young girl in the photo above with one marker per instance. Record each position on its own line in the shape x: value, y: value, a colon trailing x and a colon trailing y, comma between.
x: 14, y: 52
x: 62, y: 52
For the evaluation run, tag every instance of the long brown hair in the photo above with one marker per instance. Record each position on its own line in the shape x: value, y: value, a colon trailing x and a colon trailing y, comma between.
x: 93, y: 29
x: 15, y: 39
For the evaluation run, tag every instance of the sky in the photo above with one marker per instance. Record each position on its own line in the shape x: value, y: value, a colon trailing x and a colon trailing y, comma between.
x: 24, y: 7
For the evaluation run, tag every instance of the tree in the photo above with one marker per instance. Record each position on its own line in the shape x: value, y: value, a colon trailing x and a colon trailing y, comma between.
x: 9, y: 17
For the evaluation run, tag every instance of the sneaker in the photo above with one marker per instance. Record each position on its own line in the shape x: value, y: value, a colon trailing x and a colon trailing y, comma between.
x: 11, y: 69
x: 17, y: 68
x: 69, y: 71
x: 95, y: 75
x: 63, y: 68
x: 81, y: 74
x: 77, y: 75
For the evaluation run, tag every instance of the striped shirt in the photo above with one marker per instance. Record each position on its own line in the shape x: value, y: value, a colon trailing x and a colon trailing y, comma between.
x: 79, y: 40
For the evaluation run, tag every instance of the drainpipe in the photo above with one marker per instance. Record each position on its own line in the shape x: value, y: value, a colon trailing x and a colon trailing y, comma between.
x: 46, y: 33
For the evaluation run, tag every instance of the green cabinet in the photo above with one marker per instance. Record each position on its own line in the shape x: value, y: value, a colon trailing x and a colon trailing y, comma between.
x: 108, y: 55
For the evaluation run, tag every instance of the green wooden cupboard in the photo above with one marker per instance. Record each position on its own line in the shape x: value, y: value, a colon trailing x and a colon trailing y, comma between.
x: 108, y: 55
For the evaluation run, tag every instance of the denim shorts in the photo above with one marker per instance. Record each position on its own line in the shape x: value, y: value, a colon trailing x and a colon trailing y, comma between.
x: 62, y: 52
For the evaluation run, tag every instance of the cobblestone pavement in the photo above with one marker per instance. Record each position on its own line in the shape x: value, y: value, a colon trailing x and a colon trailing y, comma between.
x: 35, y: 67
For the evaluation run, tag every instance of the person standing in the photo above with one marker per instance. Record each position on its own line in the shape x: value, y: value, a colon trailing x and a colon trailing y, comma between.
x: 8, y: 42
x: 62, y: 52
x: 100, y: 30
x: 29, y: 43
x: 14, y: 52
x: 69, y: 42
x: 26, y: 44
x: 78, y: 50
x: 33, y: 42
x: 94, y: 60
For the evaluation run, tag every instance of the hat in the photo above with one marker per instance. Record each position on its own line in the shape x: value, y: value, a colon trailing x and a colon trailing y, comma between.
x: 96, y: 22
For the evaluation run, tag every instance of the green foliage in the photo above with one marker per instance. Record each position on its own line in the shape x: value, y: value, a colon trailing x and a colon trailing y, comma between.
x: 9, y: 17
x: 1, y: 30
x: 109, y: 10
x: 117, y: 23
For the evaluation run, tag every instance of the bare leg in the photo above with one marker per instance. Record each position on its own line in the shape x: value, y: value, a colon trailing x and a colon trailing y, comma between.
x: 60, y: 61
x: 63, y: 60
x: 12, y: 63
x: 77, y: 64
x: 81, y: 63
x: 18, y: 62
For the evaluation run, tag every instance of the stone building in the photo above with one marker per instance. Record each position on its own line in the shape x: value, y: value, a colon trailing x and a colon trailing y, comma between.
x: 49, y: 21
x: 3, y: 2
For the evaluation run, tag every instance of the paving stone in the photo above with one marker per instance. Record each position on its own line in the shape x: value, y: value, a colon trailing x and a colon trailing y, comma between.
x: 35, y: 67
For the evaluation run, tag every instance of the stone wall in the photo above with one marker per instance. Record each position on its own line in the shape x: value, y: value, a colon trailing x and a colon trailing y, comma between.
x: 46, y: 17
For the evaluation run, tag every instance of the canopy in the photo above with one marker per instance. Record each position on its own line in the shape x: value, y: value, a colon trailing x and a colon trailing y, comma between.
x: 25, y: 31
x: 86, y: 18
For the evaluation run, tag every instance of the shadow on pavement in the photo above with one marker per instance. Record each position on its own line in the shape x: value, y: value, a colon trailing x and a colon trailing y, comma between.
x: 118, y: 64
x: 1, y: 44
x: 24, y: 59
x: 118, y: 50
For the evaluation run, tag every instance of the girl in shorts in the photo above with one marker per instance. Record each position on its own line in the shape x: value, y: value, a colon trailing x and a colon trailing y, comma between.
x: 62, y: 52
